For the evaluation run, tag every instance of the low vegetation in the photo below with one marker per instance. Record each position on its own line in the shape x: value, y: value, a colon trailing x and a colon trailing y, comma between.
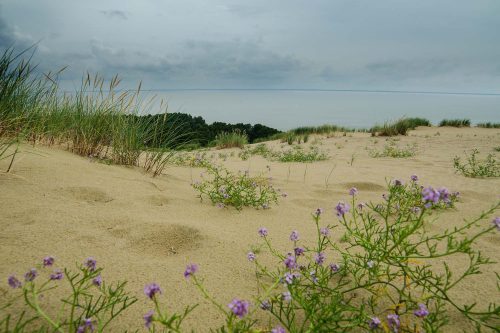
x: 489, y: 125
x: 380, y: 279
x: 398, y: 127
x: 391, y: 149
x: 235, y: 139
x: 477, y: 168
x: 455, y: 123
x: 225, y: 188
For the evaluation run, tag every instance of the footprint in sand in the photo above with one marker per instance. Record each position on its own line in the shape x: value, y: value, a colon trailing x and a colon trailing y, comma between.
x: 167, y: 240
x: 157, y: 200
x: 88, y: 194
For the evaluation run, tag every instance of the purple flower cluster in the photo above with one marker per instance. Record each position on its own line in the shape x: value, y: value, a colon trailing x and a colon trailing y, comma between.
x: 422, y: 311
x: 319, y: 258
x: 90, y: 263
x: 278, y: 329
x: 286, y: 296
x: 342, y: 208
x: 289, y: 277
x: 324, y: 231
x: 148, y: 319
x: 48, y: 261
x: 191, y: 269
x: 294, y: 236
x: 57, y: 275
x: 353, y: 191
x: 496, y: 222
x: 374, y: 323
x: 262, y: 232
x: 318, y: 212
x: 393, y: 321
x: 86, y: 326
x: 431, y: 196
x: 30, y: 275
x: 14, y: 282
x: 151, y: 290
x: 334, y: 268
x: 97, y: 281
x: 251, y: 256
x: 290, y: 262
x: 239, y: 307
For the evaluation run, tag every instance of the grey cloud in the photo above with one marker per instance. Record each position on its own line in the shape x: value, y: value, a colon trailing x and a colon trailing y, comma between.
x: 119, y: 14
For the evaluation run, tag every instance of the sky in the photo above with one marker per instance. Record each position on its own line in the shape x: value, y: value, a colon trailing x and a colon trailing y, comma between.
x: 424, y: 45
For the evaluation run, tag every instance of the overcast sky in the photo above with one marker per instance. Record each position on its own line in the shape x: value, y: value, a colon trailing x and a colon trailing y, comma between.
x: 431, y: 45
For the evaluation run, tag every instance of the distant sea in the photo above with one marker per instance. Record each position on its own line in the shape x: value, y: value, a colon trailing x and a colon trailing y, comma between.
x: 285, y: 109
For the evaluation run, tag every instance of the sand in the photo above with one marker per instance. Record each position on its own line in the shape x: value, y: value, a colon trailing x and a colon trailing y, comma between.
x: 146, y: 229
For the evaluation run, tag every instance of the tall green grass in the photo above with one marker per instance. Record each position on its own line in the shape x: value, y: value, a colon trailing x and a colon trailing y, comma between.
x: 234, y: 139
x: 98, y: 120
x: 455, y: 123
x: 399, y: 127
x: 489, y: 125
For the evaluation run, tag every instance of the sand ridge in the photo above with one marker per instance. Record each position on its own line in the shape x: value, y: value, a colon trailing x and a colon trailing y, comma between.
x: 147, y: 229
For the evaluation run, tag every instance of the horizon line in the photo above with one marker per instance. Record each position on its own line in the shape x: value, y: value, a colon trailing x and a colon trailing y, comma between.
x: 380, y: 91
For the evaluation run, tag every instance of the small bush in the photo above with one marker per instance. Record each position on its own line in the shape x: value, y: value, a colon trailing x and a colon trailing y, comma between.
x: 298, y: 154
x: 399, y: 127
x: 475, y: 168
x: 455, y: 123
x: 392, y: 150
x: 489, y: 125
x: 225, y: 188
x: 235, y: 139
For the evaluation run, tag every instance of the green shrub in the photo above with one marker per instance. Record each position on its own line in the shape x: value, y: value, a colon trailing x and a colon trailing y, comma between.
x: 225, y: 188
x: 475, y: 168
x: 489, y: 125
x: 235, y: 139
x: 298, y: 154
x: 455, y: 123
x: 399, y: 127
x: 392, y: 150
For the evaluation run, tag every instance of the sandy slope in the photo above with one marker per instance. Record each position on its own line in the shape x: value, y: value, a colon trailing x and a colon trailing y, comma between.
x: 144, y: 229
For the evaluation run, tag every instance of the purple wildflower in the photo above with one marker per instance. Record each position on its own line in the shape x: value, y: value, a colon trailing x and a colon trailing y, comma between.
x: 14, y: 282
x: 353, y: 191
x: 90, y: 263
x: 430, y: 195
x: 265, y: 305
x: 294, y: 236
x: 444, y: 194
x: 334, y: 268
x: 220, y: 205
x: 422, y: 311
x: 57, y: 275
x: 278, y: 329
x: 239, y: 307
x: 151, y: 290
x: 320, y: 258
x: 31, y: 275
x: 374, y: 323
x: 48, y: 261
x: 251, y: 256
x: 324, y: 231
x: 97, y: 281
x: 361, y: 205
x: 290, y: 262
x: 289, y: 277
x: 298, y: 251
x: 496, y: 222
x: 318, y: 212
x: 191, y: 269
x: 87, y: 324
x: 287, y: 296
x: 414, y: 178
x: 263, y: 232
x: 342, y: 208
x: 148, y: 319
x: 393, y: 321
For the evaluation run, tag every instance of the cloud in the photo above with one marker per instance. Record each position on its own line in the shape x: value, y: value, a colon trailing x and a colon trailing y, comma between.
x: 114, y: 13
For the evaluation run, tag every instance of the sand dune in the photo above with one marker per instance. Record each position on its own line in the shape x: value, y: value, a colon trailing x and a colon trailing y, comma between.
x: 147, y: 229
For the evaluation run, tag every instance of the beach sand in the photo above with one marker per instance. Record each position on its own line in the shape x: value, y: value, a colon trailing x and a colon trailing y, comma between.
x: 145, y: 229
